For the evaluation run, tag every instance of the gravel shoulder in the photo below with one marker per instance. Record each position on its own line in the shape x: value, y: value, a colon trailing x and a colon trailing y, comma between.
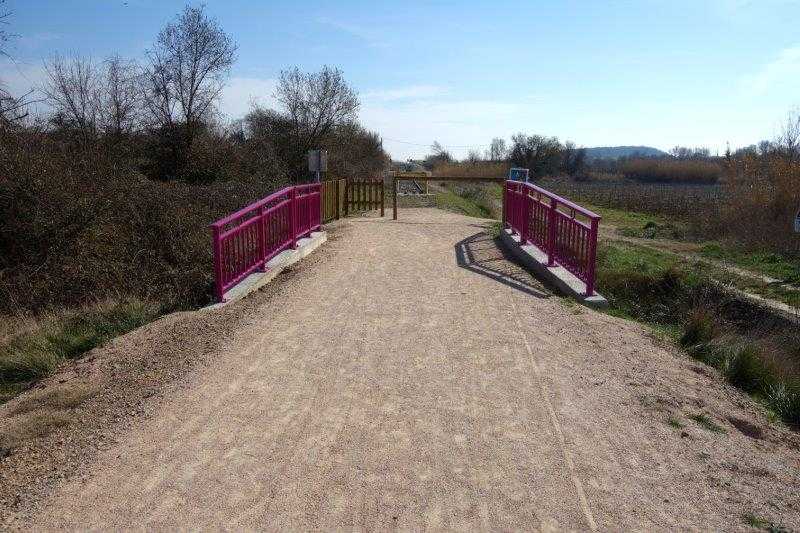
x: 407, y: 375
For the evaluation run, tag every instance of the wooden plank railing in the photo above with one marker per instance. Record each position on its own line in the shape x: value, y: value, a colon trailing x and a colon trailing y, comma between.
x: 565, y: 231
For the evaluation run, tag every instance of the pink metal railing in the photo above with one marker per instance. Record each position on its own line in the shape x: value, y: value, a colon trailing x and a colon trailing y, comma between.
x: 565, y: 231
x: 246, y: 240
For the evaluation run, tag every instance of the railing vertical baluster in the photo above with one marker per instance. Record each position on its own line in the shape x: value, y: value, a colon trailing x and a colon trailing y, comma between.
x: 590, y: 274
x: 293, y: 216
x: 262, y: 239
x: 551, y: 232
x: 524, y: 211
x: 217, y: 255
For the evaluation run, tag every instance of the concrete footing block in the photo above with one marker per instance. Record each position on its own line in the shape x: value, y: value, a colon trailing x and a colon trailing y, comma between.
x: 535, y: 260
x: 275, y: 266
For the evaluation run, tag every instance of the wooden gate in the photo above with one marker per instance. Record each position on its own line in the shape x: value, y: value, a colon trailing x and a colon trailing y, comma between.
x: 364, y: 195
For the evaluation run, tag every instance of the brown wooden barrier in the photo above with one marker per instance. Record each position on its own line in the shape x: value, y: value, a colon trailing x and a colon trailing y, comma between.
x: 364, y: 195
x: 333, y: 195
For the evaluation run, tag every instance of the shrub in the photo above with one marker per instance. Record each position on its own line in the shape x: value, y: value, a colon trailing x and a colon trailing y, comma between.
x: 784, y: 399
x: 701, y: 327
x: 764, y: 196
x: 746, y: 369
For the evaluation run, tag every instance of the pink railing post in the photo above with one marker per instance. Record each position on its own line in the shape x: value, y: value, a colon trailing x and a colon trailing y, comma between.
x: 590, y: 274
x: 525, y: 213
x: 262, y: 239
x: 217, y: 254
x: 293, y: 215
x: 552, y: 221
x: 505, y: 203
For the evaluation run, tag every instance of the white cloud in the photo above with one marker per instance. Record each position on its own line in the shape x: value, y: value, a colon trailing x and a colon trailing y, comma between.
x: 784, y: 69
x: 240, y: 94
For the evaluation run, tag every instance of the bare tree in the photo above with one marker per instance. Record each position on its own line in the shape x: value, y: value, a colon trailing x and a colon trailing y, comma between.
x: 189, y: 63
x: 497, y: 150
x: 573, y: 159
x: 788, y: 142
x: 12, y: 109
x: 542, y: 155
x: 439, y: 155
x: 119, y: 96
x: 71, y: 90
x: 473, y: 156
x: 316, y: 102
x: 5, y: 36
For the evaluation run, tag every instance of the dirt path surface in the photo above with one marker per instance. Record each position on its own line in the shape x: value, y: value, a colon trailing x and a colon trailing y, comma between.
x: 418, y: 379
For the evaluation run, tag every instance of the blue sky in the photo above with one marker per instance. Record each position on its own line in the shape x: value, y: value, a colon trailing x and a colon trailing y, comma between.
x: 658, y: 73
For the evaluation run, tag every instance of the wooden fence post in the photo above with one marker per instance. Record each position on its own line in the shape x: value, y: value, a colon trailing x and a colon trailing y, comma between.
x: 338, y: 214
x: 394, y: 199
x: 382, y: 200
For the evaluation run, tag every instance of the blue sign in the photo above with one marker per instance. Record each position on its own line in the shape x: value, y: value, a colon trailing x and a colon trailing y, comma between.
x: 518, y: 174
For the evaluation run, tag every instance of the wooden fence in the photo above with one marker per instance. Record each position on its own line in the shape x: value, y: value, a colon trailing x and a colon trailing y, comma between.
x: 364, y: 195
x: 333, y: 195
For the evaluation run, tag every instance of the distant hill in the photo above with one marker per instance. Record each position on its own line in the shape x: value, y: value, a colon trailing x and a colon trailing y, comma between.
x: 615, y: 152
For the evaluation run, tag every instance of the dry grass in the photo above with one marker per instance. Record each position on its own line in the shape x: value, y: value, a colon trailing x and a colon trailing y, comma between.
x: 41, y: 345
x: 672, y: 170
x: 764, y: 196
x: 25, y: 427
x: 479, y: 169
x: 59, y: 398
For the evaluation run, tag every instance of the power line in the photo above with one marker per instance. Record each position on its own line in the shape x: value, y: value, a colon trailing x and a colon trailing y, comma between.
x: 449, y: 146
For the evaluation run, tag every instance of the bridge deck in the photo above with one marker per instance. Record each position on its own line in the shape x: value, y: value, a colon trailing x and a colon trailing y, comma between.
x: 417, y: 378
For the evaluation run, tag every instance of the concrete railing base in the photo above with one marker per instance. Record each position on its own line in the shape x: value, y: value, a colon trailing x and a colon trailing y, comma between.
x: 256, y: 280
x: 535, y: 260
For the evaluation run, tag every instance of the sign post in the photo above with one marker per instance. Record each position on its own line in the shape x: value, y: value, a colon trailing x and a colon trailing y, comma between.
x: 318, y: 162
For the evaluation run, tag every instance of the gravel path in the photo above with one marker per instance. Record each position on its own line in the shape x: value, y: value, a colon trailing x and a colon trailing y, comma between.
x: 418, y: 379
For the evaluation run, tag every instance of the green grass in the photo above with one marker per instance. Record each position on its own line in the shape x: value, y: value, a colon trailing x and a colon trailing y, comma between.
x: 769, y: 264
x: 757, y: 522
x: 655, y: 227
x: 674, y: 422
x: 682, y: 300
x: 706, y: 423
x: 643, y: 225
x: 35, y: 354
x: 495, y: 228
x: 642, y: 283
x: 462, y: 203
